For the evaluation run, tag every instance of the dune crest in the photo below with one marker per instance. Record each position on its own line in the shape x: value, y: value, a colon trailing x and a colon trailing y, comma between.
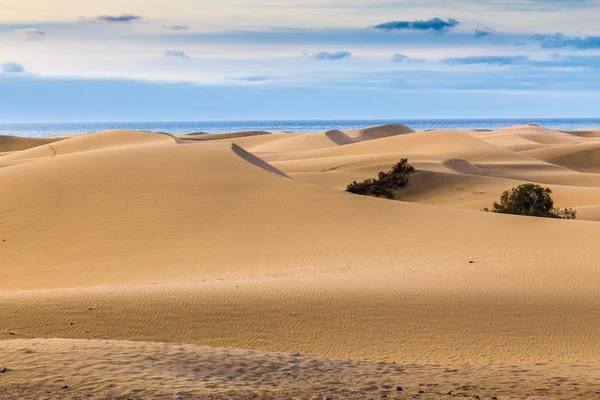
x: 15, y: 143
x: 252, y: 159
x: 582, y: 157
x: 381, y: 131
x: 201, y: 136
x: 339, y: 137
x: 92, y: 142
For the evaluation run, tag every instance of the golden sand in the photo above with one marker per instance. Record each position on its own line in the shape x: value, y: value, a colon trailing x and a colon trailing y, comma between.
x: 120, y: 241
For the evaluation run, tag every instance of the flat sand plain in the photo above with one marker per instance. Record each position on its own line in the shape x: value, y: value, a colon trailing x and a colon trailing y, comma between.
x: 138, y: 264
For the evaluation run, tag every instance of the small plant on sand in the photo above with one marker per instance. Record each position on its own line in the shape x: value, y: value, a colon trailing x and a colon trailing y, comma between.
x: 531, y: 200
x: 385, y: 183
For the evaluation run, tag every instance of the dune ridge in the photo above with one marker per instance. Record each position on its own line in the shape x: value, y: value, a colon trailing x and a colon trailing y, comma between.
x: 378, y: 132
x: 202, y: 136
x: 14, y: 143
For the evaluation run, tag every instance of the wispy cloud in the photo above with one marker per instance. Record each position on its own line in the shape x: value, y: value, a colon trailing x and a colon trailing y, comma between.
x: 489, y: 60
x: 555, y: 61
x: 28, y: 33
x: 481, y: 34
x: 176, y: 54
x: 560, y: 40
x: 327, y: 55
x: 177, y: 27
x: 118, y: 18
x: 434, y: 24
x: 252, y: 78
x: 12, y: 68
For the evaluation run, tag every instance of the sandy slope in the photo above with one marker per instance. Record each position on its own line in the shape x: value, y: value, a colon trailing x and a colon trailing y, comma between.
x: 15, y: 143
x: 144, y: 370
x: 582, y: 157
x: 250, y: 242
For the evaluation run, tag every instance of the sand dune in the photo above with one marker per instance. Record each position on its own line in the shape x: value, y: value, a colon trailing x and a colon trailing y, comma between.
x: 15, y: 143
x: 91, y: 142
x: 305, y: 141
x: 378, y: 132
x: 339, y: 137
x: 251, y: 158
x: 590, y: 133
x: 526, y: 137
x: 582, y: 157
x: 451, y: 144
x: 250, y: 242
x: 484, y: 169
x: 221, y: 136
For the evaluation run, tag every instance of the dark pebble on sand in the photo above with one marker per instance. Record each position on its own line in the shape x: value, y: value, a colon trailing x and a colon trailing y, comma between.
x: 64, y: 387
x: 3, y: 370
x: 399, y: 389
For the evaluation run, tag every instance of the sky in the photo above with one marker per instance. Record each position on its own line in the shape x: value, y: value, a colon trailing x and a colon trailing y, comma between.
x: 177, y: 60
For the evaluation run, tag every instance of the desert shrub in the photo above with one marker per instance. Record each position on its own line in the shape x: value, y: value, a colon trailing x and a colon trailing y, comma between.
x: 531, y: 200
x: 385, y: 183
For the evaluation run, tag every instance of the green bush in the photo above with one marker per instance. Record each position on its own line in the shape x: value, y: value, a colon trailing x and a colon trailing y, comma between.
x: 531, y: 200
x: 385, y: 183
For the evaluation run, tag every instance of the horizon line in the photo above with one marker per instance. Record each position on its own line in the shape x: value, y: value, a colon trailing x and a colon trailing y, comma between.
x: 304, y: 120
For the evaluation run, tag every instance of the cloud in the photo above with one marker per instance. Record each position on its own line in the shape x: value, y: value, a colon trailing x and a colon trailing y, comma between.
x: 481, y: 34
x: 344, y: 38
x: 555, y: 61
x: 489, y: 60
x: 327, y: 55
x: 12, y: 68
x: 118, y: 18
x: 252, y: 78
x: 561, y: 61
x: 560, y: 41
x: 397, y: 57
x: 28, y: 33
x: 434, y: 24
x: 177, y: 27
x: 176, y: 54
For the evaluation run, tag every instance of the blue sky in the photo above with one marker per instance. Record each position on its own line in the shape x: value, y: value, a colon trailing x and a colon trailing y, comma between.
x: 126, y: 60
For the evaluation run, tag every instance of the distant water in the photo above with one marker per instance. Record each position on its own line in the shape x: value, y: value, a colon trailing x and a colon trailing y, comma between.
x: 54, y: 129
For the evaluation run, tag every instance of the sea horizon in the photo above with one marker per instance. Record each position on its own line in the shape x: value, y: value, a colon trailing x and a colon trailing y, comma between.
x: 42, y: 129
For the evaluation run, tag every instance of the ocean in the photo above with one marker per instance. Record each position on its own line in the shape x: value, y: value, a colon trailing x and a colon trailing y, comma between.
x: 54, y: 129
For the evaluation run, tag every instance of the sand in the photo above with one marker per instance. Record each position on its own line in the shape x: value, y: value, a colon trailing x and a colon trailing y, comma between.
x: 154, y: 370
x: 139, y: 264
